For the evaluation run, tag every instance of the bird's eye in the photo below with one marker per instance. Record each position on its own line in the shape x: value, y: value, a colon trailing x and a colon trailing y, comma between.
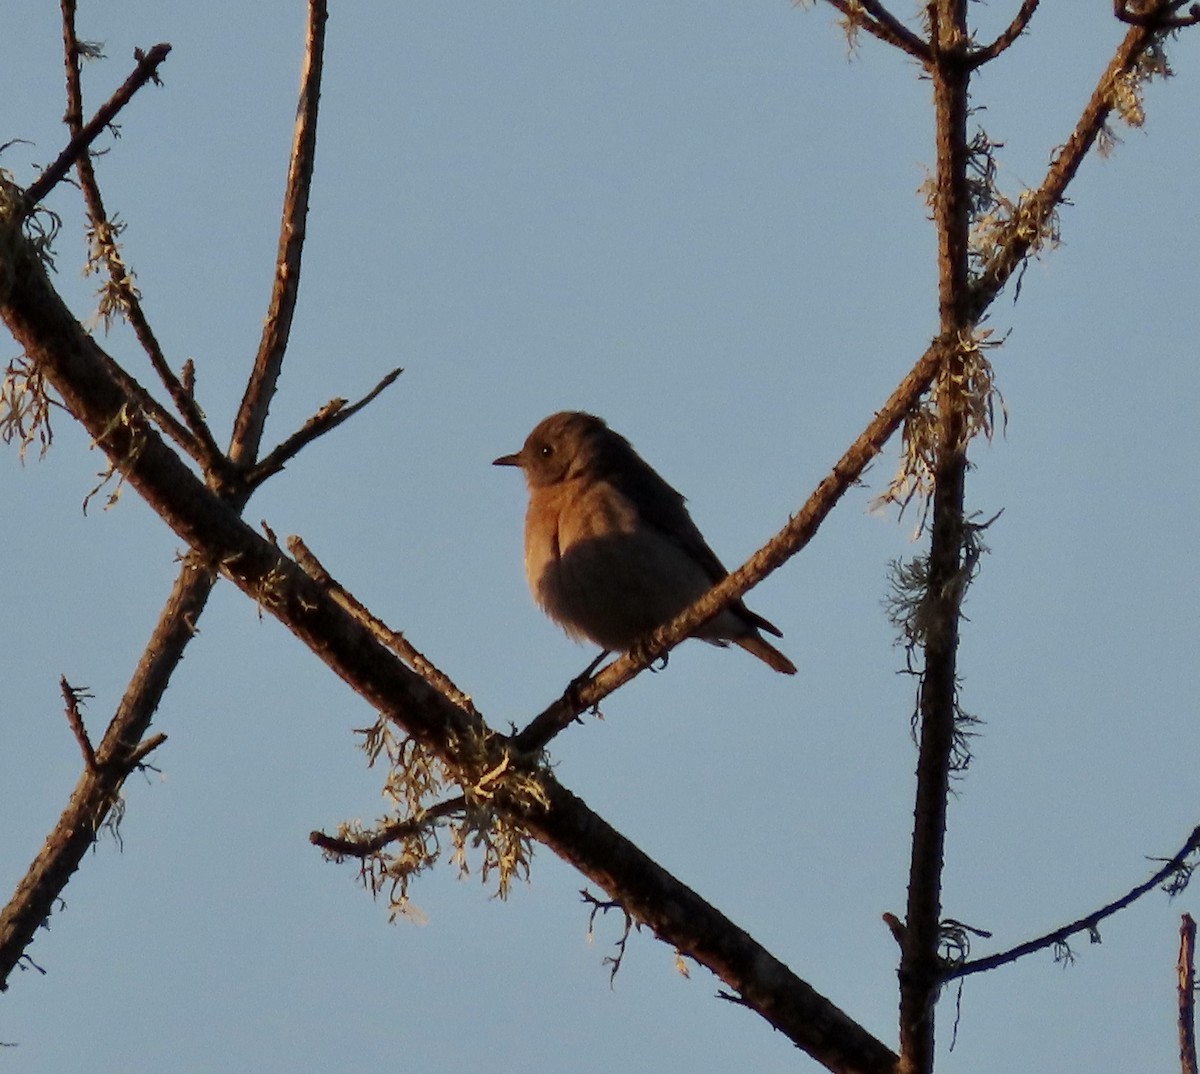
x: 546, y: 450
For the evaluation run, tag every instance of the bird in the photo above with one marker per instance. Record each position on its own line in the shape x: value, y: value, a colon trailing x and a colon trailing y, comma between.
x: 611, y: 552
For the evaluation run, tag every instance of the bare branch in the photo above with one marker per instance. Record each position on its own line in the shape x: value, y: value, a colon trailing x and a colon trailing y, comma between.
x: 99, y: 787
x: 329, y: 417
x: 145, y: 71
x: 1174, y: 868
x: 393, y: 639
x: 252, y: 414
x: 1011, y: 33
x: 199, y: 443
x: 872, y: 16
x: 72, y: 697
x: 1186, y: 994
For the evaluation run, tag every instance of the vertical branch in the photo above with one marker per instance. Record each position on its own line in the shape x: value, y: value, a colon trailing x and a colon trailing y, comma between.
x: 919, y: 964
x: 252, y: 414
x: 1187, y: 994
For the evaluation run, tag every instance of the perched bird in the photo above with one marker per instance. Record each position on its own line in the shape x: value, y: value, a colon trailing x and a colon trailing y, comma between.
x: 611, y: 552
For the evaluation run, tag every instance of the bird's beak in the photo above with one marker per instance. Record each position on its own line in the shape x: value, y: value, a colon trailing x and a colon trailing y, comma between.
x: 507, y: 460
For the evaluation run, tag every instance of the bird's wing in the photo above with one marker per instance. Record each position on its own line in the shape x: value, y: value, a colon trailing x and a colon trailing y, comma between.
x: 662, y: 507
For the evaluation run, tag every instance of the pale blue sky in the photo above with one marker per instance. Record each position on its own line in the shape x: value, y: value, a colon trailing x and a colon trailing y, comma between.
x: 700, y: 221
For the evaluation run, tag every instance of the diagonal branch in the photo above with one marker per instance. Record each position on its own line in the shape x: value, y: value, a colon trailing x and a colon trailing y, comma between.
x: 329, y: 417
x: 1174, y: 867
x: 872, y: 16
x: 1022, y: 236
x: 98, y: 790
x: 1011, y: 32
x: 82, y: 137
x: 384, y: 634
x: 252, y: 414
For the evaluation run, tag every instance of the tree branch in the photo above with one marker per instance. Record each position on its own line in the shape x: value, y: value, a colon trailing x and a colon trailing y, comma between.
x: 384, y: 634
x: 1186, y: 994
x: 937, y: 701
x: 872, y: 16
x: 1175, y: 866
x: 371, y: 844
x: 252, y: 414
x: 145, y: 71
x: 120, y: 752
x: 1023, y: 233
x: 197, y: 439
x: 329, y: 417
x: 1014, y: 30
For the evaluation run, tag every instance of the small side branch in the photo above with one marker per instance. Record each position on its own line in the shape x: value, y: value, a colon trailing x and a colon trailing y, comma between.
x: 146, y: 70
x: 384, y: 634
x: 1014, y: 30
x: 367, y: 846
x: 1187, y: 994
x: 329, y: 417
x: 602, y: 906
x: 872, y: 16
x: 1174, y: 874
x: 252, y: 414
x: 72, y: 696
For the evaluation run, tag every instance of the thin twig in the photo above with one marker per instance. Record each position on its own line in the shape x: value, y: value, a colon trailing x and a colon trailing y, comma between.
x: 145, y: 71
x: 199, y: 443
x: 72, y: 697
x: 1011, y: 33
x: 1174, y: 866
x: 260, y: 388
x: 366, y: 846
x: 882, y: 24
x: 329, y: 417
x: 1186, y: 994
x: 393, y: 639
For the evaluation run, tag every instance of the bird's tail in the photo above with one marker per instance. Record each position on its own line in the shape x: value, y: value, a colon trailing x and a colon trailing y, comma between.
x: 766, y: 652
